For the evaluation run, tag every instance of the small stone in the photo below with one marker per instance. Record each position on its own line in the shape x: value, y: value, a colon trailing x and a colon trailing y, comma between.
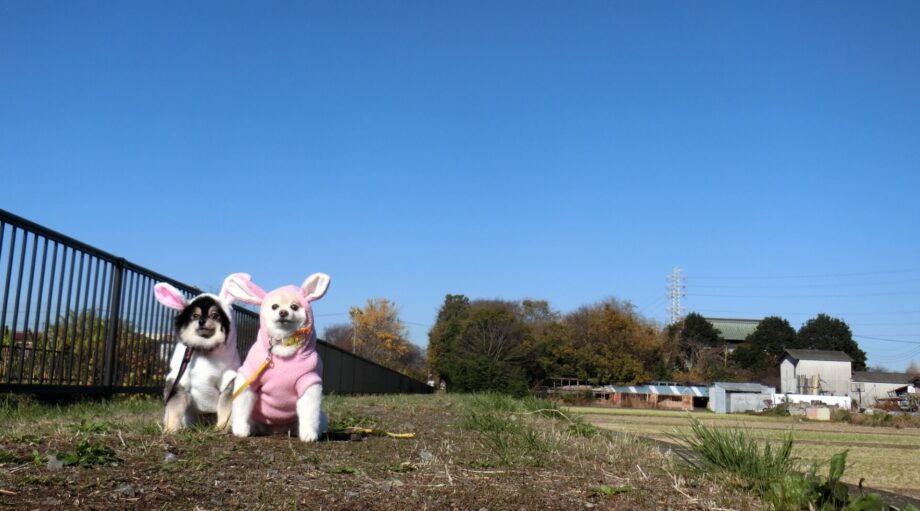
x: 589, y: 505
x: 127, y: 490
x: 426, y: 456
x: 52, y: 502
x: 351, y: 494
x: 483, y: 509
x: 169, y: 458
x: 54, y: 463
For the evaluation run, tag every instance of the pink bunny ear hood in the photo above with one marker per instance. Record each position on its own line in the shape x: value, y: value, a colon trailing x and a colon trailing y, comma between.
x: 304, y: 303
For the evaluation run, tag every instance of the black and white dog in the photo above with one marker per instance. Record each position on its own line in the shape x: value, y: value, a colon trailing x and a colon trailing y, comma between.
x: 205, y: 360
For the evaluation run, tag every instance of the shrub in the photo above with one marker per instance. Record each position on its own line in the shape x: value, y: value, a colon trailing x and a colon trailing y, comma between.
x: 735, y: 452
x: 774, y: 474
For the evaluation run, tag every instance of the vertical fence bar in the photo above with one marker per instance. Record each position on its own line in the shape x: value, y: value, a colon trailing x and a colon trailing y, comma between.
x: 130, y: 340
x: 82, y: 312
x: 15, y: 323
x: 6, y: 294
x: 58, y: 348
x: 48, y: 311
x: 67, y: 358
x: 74, y: 358
x: 118, y: 269
x: 38, y: 312
x: 25, y: 319
x: 93, y: 361
x: 150, y: 351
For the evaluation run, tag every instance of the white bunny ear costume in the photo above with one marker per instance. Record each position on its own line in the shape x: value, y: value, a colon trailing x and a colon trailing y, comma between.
x: 208, y: 372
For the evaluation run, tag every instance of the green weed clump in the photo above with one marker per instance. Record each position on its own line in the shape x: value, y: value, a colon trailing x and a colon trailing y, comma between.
x: 87, y: 454
x: 735, y: 452
x: 773, y: 473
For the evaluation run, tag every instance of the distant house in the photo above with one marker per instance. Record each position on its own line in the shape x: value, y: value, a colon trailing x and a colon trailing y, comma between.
x: 729, y: 397
x: 734, y: 330
x: 869, y: 386
x: 815, y: 372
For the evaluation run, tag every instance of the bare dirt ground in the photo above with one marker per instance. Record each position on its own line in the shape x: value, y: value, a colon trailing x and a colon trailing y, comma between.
x: 470, y: 452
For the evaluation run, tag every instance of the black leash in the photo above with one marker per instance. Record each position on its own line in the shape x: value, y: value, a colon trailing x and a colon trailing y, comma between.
x: 185, y: 359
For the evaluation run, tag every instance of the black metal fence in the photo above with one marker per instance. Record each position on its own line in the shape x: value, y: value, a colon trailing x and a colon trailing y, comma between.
x: 75, y: 319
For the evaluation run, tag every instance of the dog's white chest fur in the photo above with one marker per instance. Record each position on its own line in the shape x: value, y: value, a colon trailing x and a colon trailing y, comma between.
x: 206, y: 374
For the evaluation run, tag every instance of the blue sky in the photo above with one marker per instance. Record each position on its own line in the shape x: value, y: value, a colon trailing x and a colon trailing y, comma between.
x: 567, y: 152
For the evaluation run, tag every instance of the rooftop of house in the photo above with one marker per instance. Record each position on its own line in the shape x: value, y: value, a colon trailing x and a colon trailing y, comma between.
x: 734, y: 329
x: 822, y: 355
x: 879, y: 377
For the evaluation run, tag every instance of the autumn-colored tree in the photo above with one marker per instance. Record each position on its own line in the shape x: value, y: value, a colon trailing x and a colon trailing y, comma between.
x: 380, y: 336
x: 912, y: 368
x: 604, y: 343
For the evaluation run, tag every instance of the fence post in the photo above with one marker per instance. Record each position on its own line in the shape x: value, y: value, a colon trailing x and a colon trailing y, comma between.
x: 111, y: 335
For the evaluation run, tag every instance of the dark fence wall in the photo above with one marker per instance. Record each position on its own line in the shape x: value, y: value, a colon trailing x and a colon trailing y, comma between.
x: 75, y: 319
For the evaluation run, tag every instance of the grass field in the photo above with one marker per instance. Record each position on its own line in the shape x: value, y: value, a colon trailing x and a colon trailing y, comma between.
x: 885, y: 457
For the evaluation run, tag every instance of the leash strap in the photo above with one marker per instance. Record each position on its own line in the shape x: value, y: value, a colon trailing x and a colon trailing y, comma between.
x: 255, y: 375
x: 186, y: 357
x: 301, y: 333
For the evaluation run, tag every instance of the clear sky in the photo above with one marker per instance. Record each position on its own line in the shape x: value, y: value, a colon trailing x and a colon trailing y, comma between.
x: 553, y: 150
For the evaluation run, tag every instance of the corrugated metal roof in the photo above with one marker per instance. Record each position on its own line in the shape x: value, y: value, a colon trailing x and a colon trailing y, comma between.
x: 663, y: 390
x: 742, y: 387
x: 734, y: 329
x: 827, y: 356
x: 875, y: 377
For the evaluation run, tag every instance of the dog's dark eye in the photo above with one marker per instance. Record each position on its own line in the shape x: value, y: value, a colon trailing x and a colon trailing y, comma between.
x: 215, y: 316
x: 196, y: 315
x: 275, y: 307
x: 294, y: 306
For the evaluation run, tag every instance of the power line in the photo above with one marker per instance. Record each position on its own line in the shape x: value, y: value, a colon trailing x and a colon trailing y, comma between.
x: 813, y: 313
x: 809, y: 286
x: 814, y: 275
x: 850, y: 295
x: 885, y: 340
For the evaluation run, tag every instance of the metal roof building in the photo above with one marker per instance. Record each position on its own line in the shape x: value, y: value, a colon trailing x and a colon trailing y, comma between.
x: 731, y: 397
x: 664, y: 395
x: 815, y: 372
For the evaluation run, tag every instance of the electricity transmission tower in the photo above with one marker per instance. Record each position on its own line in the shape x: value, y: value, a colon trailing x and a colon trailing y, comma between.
x: 676, y: 291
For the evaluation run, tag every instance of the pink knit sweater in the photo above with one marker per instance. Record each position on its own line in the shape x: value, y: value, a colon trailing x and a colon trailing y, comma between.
x: 283, y: 382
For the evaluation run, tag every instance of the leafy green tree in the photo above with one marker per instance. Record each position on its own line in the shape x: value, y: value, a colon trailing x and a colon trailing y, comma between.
x: 696, y: 341
x: 827, y: 333
x: 444, y: 337
x: 763, y: 348
x: 483, y: 345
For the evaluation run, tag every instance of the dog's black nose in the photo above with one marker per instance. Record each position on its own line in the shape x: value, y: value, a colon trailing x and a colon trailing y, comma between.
x: 283, y: 313
x: 202, y: 321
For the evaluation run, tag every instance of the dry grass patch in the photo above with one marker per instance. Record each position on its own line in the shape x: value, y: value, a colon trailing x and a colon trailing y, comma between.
x: 470, y: 452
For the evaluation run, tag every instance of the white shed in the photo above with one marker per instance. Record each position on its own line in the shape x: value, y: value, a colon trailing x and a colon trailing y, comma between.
x: 869, y: 386
x: 815, y: 372
x: 730, y: 397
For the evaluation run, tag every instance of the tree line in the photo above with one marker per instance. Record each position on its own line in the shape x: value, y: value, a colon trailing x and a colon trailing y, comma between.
x: 515, y: 346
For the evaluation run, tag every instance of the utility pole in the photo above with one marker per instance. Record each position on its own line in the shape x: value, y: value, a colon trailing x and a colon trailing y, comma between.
x: 675, y: 291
